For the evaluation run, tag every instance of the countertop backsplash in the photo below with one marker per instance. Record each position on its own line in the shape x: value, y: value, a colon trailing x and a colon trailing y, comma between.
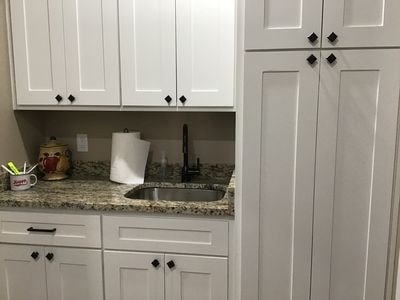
x: 219, y: 173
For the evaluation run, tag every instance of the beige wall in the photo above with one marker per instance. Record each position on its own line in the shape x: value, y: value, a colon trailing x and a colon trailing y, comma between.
x: 211, y: 135
x: 20, y: 133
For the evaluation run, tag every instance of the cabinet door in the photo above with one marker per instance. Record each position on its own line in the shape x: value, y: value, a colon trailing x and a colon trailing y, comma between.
x: 354, y: 174
x: 280, y: 115
x: 362, y: 23
x: 148, y: 58
x: 38, y: 43
x: 280, y: 24
x: 92, y: 58
x: 205, y: 52
x: 131, y: 275
x: 196, y: 278
x: 22, y: 277
x: 74, y: 274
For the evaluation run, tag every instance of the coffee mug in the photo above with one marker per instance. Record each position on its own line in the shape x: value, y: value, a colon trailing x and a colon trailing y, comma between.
x: 22, y: 182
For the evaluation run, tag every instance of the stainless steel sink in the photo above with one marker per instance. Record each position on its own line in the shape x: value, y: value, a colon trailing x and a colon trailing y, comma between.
x: 176, y: 194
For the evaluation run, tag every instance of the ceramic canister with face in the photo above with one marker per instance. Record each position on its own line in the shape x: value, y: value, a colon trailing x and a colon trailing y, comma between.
x: 54, y: 160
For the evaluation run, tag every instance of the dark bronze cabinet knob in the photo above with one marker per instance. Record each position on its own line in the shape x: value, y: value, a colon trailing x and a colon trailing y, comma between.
x: 71, y: 98
x: 155, y: 263
x: 332, y: 37
x: 171, y: 264
x: 311, y: 59
x: 168, y: 99
x: 313, y: 37
x: 331, y: 58
x: 182, y: 99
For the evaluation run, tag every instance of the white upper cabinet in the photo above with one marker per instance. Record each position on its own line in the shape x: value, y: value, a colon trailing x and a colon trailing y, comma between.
x: 205, y: 52
x: 278, y: 24
x: 288, y: 24
x: 66, y: 52
x: 356, y: 146
x: 91, y: 47
x: 147, y: 41
x: 361, y: 23
x: 38, y: 43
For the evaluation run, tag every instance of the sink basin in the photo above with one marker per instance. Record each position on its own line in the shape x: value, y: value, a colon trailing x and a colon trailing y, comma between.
x: 176, y: 194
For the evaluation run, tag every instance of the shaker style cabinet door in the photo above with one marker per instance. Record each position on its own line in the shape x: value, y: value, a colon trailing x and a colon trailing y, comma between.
x: 148, y: 58
x: 361, y: 23
x: 22, y: 273
x: 205, y: 52
x: 74, y: 274
x: 280, y: 116
x: 92, y: 56
x: 356, y: 145
x: 196, y: 277
x: 281, y: 24
x: 130, y: 275
x: 38, y: 45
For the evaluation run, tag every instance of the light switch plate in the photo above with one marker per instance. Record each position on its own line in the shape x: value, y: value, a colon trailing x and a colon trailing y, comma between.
x: 82, y: 142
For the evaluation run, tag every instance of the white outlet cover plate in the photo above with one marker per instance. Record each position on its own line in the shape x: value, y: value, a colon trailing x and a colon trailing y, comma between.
x: 82, y: 144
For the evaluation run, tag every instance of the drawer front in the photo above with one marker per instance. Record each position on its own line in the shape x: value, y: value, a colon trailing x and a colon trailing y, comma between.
x: 50, y: 229
x: 208, y: 237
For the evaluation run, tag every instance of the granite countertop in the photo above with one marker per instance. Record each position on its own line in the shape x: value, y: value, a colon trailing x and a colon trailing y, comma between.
x: 106, y: 196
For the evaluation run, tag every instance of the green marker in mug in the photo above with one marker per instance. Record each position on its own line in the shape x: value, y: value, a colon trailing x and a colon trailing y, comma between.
x: 13, y: 168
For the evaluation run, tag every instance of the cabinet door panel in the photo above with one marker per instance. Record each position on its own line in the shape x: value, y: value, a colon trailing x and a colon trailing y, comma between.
x: 279, y: 24
x: 205, y: 52
x: 91, y: 43
x: 74, y: 274
x: 21, y: 276
x: 130, y: 275
x: 280, y: 113
x: 196, y: 278
x: 354, y: 174
x: 38, y: 44
x: 148, y: 61
x: 362, y: 23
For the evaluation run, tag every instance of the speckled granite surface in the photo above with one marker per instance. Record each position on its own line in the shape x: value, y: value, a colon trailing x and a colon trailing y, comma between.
x: 219, y: 173
x: 105, y: 196
x: 4, y: 181
x: 82, y: 192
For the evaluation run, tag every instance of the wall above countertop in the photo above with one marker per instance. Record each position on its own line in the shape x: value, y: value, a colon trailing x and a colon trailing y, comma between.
x: 211, y: 135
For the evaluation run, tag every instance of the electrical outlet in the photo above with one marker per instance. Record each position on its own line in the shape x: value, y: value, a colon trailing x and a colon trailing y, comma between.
x: 82, y: 142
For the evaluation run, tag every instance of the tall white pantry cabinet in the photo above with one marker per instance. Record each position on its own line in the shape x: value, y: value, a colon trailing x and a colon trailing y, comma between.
x: 320, y: 118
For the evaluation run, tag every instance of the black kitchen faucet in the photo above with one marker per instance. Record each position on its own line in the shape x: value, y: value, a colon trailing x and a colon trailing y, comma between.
x: 188, y: 172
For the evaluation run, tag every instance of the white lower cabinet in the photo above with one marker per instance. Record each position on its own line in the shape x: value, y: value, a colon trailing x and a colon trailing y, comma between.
x: 195, y: 277
x: 39, y: 273
x: 50, y: 272
x: 74, y: 274
x: 21, y: 276
x: 133, y: 275
x: 152, y: 276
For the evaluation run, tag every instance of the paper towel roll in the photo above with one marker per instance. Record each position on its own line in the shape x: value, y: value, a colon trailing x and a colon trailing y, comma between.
x: 128, y: 157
